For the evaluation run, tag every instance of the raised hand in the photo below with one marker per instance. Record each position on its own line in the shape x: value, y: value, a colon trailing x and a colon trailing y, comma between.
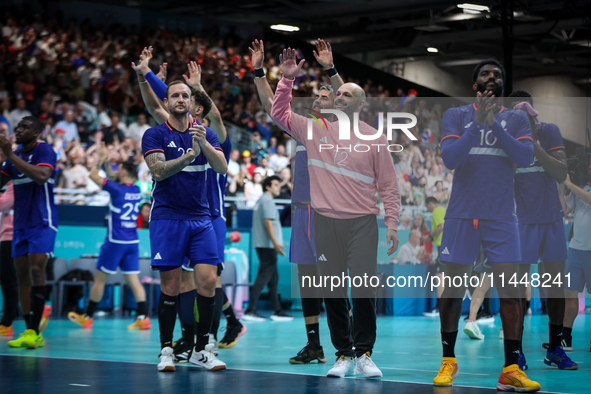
x: 5, y: 145
x: 143, y: 66
x: 163, y: 72
x: 288, y: 63
x: 324, y: 54
x: 103, y: 153
x: 257, y: 54
x: 194, y: 78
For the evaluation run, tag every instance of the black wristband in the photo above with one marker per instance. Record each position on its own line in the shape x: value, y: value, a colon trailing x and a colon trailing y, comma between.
x: 332, y: 71
x: 259, y: 73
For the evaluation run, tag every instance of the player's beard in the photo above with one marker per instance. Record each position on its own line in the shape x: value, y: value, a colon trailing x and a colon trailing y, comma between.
x: 178, y: 113
x: 497, y: 91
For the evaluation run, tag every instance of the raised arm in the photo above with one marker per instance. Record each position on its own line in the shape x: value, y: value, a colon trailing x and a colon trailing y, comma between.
x: 324, y: 57
x: 260, y: 81
x: 153, y: 103
x: 194, y: 81
x: 39, y: 173
x: 94, y: 173
x: 584, y: 195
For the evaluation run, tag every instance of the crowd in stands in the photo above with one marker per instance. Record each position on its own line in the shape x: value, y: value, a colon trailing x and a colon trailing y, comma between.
x: 77, y: 79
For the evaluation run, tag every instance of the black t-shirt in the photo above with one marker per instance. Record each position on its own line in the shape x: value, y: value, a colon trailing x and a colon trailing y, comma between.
x: 109, y: 136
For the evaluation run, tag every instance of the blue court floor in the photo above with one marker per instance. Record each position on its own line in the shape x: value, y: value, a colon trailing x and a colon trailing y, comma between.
x: 111, y: 359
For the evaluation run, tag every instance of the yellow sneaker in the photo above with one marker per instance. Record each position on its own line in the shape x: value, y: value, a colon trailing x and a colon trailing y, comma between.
x: 447, y: 373
x: 514, y: 379
x: 6, y: 331
x: 140, y: 324
x: 45, y: 318
x: 17, y: 342
x: 81, y: 320
x: 32, y: 340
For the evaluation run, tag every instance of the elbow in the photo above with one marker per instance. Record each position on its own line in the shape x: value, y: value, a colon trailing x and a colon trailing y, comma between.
x: 157, y: 177
x: 222, y: 168
x: 448, y: 161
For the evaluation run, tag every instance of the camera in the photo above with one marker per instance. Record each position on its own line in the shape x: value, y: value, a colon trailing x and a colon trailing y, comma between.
x: 578, y: 167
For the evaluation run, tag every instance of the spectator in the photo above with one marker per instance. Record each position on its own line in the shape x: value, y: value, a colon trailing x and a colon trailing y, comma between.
x: 440, y: 194
x: 247, y: 165
x: 286, y: 185
x: 76, y: 176
x: 405, y: 222
x: 420, y: 225
x: 67, y: 128
x: 113, y: 132
x: 5, y: 114
x: 233, y: 166
x: 136, y: 130
x: 264, y: 168
x: 143, y: 219
x: 257, y: 147
x: 278, y: 161
x: 253, y: 190
x: 412, y: 251
x: 17, y: 114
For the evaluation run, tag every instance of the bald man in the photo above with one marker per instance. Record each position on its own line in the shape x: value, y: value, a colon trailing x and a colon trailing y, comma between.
x: 343, y: 185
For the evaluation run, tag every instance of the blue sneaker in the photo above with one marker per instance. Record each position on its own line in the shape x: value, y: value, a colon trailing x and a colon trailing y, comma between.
x: 560, y: 358
x: 522, y: 362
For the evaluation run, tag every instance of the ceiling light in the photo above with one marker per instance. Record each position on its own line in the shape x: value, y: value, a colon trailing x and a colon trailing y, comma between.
x: 467, y: 7
x: 432, y: 50
x: 285, y: 28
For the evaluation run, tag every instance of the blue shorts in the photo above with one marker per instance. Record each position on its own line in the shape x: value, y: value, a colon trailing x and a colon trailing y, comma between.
x: 544, y: 241
x: 301, y: 249
x: 219, y: 226
x: 40, y: 239
x: 174, y: 241
x: 124, y: 256
x: 578, y: 265
x: 462, y: 239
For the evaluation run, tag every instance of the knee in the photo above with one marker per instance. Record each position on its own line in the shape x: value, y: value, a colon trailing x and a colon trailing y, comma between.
x: 207, y: 282
x: 37, y: 272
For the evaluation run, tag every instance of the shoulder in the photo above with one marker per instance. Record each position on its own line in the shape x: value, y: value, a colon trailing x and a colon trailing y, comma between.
x: 549, y: 128
x: 43, y: 148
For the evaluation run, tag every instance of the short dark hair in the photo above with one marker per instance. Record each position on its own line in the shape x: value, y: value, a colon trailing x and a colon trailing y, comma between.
x: 431, y: 199
x: 36, y: 124
x: 201, y: 98
x: 176, y: 83
x: 522, y: 94
x: 483, y: 63
x: 130, y: 169
x: 269, y: 180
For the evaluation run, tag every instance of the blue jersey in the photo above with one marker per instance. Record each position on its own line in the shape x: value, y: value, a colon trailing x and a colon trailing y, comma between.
x: 536, y: 193
x: 483, y: 184
x: 216, y: 185
x: 301, y: 177
x: 33, y: 203
x: 182, y: 196
x: 123, y: 211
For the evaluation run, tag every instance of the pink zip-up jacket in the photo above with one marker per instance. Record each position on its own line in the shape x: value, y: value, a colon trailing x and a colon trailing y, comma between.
x: 343, y: 184
x: 6, y: 206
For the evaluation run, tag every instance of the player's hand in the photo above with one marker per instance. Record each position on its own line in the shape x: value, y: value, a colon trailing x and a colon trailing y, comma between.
x: 198, y: 132
x: 143, y: 66
x: 280, y: 249
x: 163, y: 72
x: 5, y: 145
x: 194, y: 78
x: 392, y: 241
x: 103, y: 153
x: 485, y: 105
x: 257, y: 54
x: 324, y: 54
x: 288, y: 63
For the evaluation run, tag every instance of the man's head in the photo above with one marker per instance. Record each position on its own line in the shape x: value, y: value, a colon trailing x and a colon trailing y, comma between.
x: 519, y: 96
x: 178, y: 98
x: 127, y: 172
x: 141, y: 119
x: 235, y: 155
x: 201, y: 104
x: 431, y: 203
x: 324, y: 98
x: 405, y: 220
x: 145, y: 210
x: 489, y: 75
x: 350, y: 98
x: 264, y: 162
x: 272, y: 185
x: 286, y: 174
x: 69, y: 117
x: 20, y: 104
x: 414, y: 238
x: 281, y: 150
x: 28, y: 130
x: 115, y: 119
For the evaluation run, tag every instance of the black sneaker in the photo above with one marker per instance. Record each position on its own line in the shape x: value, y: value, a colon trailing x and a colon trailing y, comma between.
x: 567, y: 344
x: 308, y: 355
x: 281, y: 316
x: 233, y: 332
x: 182, y: 351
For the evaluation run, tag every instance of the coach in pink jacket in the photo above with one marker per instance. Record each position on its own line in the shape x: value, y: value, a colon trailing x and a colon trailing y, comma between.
x: 344, y: 180
x: 7, y: 268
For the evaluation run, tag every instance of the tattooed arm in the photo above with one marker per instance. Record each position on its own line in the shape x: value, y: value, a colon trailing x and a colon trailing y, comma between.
x: 162, y: 169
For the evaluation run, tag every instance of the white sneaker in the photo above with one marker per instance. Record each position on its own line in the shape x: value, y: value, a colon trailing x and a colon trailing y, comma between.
x: 366, y: 367
x: 501, y: 334
x: 206, y: 359
x: 342, y: 367
x: 528, y: 312
x: 253, y: 316
x: 166, y: 363
x: 281, y: 316
x: 213, y: 342
x: 472, y: 330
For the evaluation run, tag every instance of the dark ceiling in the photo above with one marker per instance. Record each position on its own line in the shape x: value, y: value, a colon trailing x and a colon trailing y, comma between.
x: 550, y: 36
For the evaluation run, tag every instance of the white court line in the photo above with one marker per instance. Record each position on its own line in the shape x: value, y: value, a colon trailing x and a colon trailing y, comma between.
x: 425, y: 370
x: 429, y: 354
x: 401, y: 353
x: 484, y: 357
x: 258, y: 370
x: 79, y: 385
